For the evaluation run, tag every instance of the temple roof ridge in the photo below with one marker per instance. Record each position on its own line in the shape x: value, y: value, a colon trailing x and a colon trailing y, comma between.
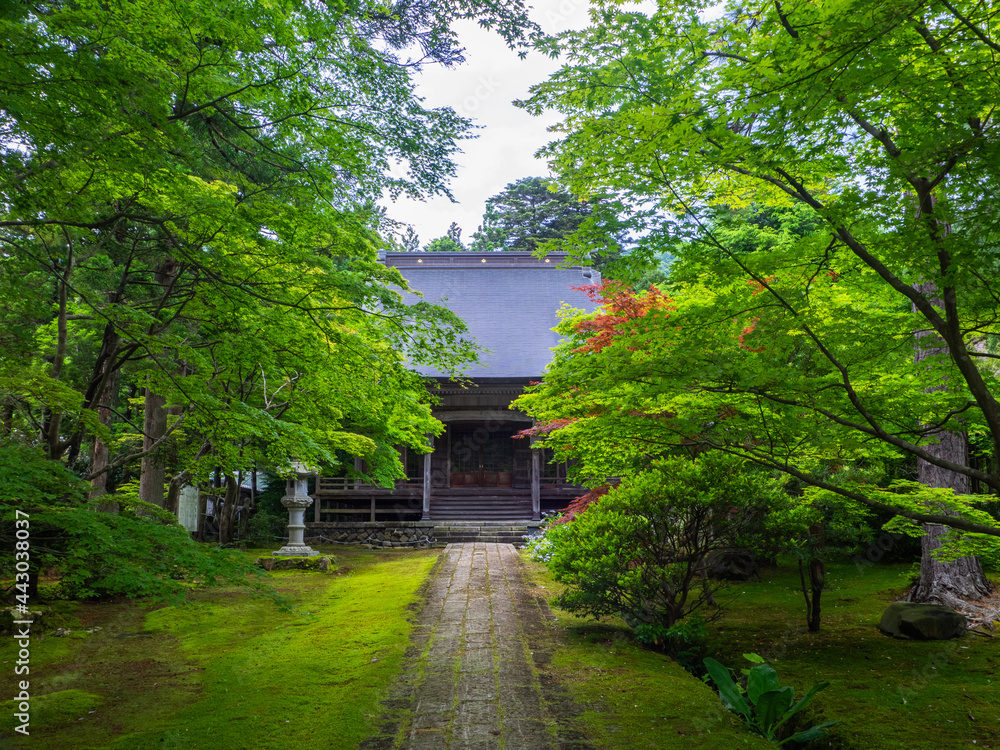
x: 508, y: 299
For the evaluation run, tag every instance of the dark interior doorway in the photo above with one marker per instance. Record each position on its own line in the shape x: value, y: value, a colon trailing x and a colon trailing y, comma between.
x: 482, y: 457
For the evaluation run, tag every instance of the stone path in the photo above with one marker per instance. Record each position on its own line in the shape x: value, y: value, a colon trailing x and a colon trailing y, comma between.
x: 471, y: 680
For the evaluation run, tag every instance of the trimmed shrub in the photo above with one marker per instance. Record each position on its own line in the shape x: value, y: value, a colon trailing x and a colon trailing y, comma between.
x: 639, y: 552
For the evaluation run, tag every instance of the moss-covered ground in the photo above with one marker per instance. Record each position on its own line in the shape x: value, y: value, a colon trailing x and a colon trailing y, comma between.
x: 226, y: 671
x: 632, y: 698
x: 884, y: 693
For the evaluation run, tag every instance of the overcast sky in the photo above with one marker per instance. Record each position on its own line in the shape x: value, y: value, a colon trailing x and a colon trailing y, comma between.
x: 483, y: 89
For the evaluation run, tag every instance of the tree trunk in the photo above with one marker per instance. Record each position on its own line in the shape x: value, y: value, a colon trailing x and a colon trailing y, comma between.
x: 173, y: 502
x: 154, y: 466
x: 817, y: 576
x: 8, y: 417
x: 100, y: 455
x: 955, y: 583
x: 813, y: 592
x: 241, y: 529
x: 154, y: 469
x: 227, y: 513
x: 53, y: 422
x: 941, y: 582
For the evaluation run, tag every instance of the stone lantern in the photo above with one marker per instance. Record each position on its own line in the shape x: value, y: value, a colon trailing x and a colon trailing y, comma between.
x: 297, y: 499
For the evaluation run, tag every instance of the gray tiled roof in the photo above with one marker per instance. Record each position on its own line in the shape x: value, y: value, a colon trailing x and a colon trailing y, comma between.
x: 508, y: 300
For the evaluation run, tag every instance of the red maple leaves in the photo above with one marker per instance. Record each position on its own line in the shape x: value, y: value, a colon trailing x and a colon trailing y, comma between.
x: 620, y: 307
x: 543, y: 428
x: 580, y: 504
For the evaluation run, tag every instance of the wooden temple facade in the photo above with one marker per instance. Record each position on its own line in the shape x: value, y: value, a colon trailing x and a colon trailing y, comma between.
x: 478, y: 471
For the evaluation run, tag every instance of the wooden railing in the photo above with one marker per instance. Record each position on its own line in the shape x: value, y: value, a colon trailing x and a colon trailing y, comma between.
x: 554, y: 480
x: 371, y: 511
x: 345, y: 484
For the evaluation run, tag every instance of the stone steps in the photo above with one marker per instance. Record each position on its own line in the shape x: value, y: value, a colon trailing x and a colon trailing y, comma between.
x: 481, y: 532
x: 480, y: 509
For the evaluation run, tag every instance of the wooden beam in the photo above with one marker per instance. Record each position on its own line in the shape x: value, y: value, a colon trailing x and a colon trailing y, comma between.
x: 536, y: 484
x: 426, y: 514
x: 383, y: 511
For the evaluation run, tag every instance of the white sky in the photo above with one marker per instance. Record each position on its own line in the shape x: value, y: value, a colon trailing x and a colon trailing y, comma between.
x: 483, y: 89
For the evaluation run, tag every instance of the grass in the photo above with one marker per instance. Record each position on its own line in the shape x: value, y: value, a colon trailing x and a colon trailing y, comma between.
x: 228, y: 671
x: 885, y: 693
x: 633, y: 698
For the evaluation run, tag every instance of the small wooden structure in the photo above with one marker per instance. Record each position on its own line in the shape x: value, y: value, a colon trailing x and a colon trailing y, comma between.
x: 477, y: 470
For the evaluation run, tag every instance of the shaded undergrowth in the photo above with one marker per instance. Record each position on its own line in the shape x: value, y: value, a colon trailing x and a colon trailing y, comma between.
x: 225, y: 670
x: 885, y: 693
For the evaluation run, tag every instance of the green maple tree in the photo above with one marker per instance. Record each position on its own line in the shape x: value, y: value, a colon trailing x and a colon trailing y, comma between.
x: 878, y: 122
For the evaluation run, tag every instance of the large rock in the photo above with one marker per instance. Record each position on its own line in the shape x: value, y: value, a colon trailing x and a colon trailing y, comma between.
x: 732, y: 565
x: 922, y: 622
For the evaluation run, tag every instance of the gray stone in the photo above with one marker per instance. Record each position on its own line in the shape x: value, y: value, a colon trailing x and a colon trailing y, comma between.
x: 296, y: 500
x: 922, y: 622
x: 187, y: 507
x: 732, y: 565
x: 467, y: 678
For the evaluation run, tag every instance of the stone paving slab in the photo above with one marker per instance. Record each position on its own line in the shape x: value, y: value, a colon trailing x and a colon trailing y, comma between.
x: 472, y: 680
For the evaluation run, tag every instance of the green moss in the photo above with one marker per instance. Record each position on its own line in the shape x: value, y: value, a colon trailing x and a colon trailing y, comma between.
x: 320, y: 563
x: 229, y: 671
x: 50, y: 709
x: 633, y: 698
x: 885, y: 693
x: 305, y: 678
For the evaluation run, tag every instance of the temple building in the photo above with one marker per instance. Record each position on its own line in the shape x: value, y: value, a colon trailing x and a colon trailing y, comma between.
x: 477, y: 470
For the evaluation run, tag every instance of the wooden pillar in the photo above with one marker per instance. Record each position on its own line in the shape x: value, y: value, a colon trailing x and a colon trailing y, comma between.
x: 536, y: 484
x: 373, y: 507
x: 316, y: 500
x: 426, y: 514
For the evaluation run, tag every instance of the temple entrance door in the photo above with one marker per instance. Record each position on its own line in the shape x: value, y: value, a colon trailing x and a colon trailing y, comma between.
x: 481, y: 457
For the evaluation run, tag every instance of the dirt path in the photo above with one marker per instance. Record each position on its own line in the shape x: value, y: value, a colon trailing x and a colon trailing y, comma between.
x: 470, y: 681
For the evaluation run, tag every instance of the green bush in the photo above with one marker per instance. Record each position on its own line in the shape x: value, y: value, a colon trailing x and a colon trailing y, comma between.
x: 639, y: 551
x: 684, y: 641
x: 139, y: 551
x: 264, y: 529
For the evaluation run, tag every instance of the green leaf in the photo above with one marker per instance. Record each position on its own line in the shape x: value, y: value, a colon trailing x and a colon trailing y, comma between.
x: 728, y: 690
x: 770, y: 708
x: 806, y: 699
x: 761, y: 679
x: 812, y: 733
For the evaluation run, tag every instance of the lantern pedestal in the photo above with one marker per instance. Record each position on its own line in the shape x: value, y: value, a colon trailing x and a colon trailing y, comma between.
x: 297, y: 499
